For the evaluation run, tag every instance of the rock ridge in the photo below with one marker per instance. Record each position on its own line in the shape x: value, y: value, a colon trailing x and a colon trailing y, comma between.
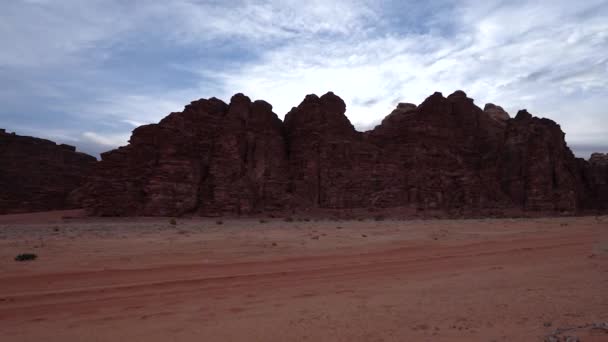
x: 444, y: 156
x: 39, y: 175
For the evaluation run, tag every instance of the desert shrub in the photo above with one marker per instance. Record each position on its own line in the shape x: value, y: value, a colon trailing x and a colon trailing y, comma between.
x: 379, y: 218
x: 219, y: 222
x: 263, y: 221
x: 172, y: 222
x: 289, y: 219
x: 26, y: 257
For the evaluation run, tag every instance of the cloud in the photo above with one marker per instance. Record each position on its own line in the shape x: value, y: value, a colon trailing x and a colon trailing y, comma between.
x: 96, y: 69
x: 518, y: 55
x: 110, y: 140
x: 44, y: 34
x: 264, y: 21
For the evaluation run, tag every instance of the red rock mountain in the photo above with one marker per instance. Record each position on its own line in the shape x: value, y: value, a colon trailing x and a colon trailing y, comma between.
x: 445, y: 155
x: 39, y: 175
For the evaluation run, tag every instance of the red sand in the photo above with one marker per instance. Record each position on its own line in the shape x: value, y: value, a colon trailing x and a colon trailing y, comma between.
x: 448, y: 280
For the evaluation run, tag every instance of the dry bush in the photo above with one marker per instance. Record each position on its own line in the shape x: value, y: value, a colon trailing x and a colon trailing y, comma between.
x: 26, y: 257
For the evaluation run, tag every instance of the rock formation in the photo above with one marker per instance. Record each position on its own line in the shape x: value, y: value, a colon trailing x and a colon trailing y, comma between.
x: 212, y: 158
x: 595, y: 176
x: 445, y: 155
x: 496, y: 112
x: 39, y: 175
x: 538, y: 170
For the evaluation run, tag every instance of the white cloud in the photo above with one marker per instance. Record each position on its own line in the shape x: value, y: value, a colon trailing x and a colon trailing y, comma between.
x: 38, y: 34
x: 136, y: 109
x: 263, y: 21
x: 107, y: 140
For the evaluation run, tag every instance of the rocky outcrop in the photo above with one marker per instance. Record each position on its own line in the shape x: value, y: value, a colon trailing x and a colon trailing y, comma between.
x: 496, y: 112
x: 39, y: 175
x: 210, y: 159
x: 537, y: 169
x: 595, y: 176
x: 323, y: 149
x: 445, y: 155
x: 248, y: 169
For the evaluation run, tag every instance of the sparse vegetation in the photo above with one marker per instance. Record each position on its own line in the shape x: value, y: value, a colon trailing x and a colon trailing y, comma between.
x: 173, y: 221
x: 289, y: 219
x: 26, y: 257
x: 379, y: 218
x: 601, y: 247
x: 263, y: 221
x: 219, y: 222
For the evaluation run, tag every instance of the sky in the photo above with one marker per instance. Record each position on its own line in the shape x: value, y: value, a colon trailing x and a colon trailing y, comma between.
x: 86, y: 73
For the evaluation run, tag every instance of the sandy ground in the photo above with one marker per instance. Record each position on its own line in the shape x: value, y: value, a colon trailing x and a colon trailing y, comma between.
x: 246, y: 280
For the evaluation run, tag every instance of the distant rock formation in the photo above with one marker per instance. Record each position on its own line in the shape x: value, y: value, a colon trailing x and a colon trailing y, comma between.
x: 595, y: 175
x: 39, y: 175
x: 445, y: 155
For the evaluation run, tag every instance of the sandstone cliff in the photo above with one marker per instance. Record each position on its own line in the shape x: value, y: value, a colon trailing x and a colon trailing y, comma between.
x: 445, y: 155
x: 212, y: 158
x: 39, y: 175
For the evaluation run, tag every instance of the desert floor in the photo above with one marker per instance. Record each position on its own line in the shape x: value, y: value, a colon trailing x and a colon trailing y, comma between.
x: 251, y: 280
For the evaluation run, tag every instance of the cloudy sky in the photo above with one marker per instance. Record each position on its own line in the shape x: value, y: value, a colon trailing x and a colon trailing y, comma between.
x: 87, y: 72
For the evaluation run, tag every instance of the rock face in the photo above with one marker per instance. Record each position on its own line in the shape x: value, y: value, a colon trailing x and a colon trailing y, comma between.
x: 595, y: 175
x: 212, y: 158
x: 39, y: 175
x: 496, y: 112
x: 445, y: 155
x: 538, y: 170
